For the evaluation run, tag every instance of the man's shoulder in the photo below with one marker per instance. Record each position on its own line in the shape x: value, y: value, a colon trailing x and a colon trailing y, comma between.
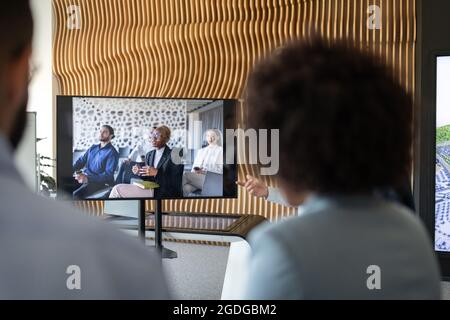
x: 57, y: 216
x: 93, y: 147
x: 60, y: 222
x: 45, y: 218
x: 113, y: 149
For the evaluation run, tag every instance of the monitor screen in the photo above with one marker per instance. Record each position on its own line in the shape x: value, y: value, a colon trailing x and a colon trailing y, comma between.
x: 112, y: 148
x: 442, y: 193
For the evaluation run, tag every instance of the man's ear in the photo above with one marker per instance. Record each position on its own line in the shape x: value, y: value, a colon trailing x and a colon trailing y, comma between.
x: 18, y: 76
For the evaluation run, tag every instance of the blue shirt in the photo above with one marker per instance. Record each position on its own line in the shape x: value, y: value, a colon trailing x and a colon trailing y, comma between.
x: 99, y: 163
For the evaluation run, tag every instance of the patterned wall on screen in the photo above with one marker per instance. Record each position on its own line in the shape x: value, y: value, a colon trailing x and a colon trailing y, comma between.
x: 131, y: 119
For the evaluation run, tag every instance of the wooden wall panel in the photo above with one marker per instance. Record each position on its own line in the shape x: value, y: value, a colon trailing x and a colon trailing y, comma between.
x: 205, y: 48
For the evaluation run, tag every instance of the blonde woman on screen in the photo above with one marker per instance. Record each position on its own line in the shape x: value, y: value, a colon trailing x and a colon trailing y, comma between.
x: 209, y: 158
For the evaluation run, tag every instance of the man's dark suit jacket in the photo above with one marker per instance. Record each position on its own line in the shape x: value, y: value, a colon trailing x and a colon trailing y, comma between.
x: 169, y: 175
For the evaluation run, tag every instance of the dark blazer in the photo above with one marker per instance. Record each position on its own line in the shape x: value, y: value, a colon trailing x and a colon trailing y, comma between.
x: 169, y: 175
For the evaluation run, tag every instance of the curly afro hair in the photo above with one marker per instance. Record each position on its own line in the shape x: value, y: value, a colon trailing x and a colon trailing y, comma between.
x: 345, y: 123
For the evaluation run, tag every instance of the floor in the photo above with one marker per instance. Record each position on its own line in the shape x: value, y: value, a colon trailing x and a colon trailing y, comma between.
x: 198, y: 272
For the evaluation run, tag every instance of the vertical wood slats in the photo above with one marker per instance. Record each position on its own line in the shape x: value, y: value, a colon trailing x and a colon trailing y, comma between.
x: 204, y: 48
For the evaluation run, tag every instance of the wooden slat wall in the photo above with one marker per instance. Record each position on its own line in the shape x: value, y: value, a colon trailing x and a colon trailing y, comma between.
x: 205, y: 48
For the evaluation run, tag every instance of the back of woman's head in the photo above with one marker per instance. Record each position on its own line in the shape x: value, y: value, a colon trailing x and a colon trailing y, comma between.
x: 345, y: 123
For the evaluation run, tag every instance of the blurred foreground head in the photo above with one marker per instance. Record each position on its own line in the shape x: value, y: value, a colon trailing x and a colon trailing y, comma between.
x: 345, y: 123
x: 16, y: 30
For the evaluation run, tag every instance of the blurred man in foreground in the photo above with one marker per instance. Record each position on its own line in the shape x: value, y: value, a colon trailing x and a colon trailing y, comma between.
x: 48, y: 249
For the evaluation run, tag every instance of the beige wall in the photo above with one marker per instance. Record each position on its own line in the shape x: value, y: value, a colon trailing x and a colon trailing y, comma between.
x: 41, y: 91
x: 204, y: 48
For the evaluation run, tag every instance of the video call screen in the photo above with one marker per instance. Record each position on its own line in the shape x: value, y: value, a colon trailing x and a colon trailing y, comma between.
x: 112, y: 148
x: 442, y: 197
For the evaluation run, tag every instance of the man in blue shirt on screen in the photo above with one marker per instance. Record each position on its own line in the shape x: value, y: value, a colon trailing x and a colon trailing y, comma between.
x: 95, y: 169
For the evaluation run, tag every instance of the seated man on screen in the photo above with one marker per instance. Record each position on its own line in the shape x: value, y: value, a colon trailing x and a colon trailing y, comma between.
x: 137, y: 156
x: 209, y: 158
x: 95, y: 169
x: 158, y: 168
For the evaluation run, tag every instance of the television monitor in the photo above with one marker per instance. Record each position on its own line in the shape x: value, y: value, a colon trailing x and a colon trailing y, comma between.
x: 442, y: 174
x: 135, y: 163
x: 432, y: 148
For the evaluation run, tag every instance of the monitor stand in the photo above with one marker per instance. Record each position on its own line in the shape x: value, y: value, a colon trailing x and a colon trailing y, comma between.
x: 135, y: 209
x: 165, y: 253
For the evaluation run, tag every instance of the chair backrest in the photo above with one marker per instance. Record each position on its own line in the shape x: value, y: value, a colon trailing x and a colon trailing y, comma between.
x: 179, y: 172
x: 77, y: 154
x: 213, y: 186
x: 124, y: 152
